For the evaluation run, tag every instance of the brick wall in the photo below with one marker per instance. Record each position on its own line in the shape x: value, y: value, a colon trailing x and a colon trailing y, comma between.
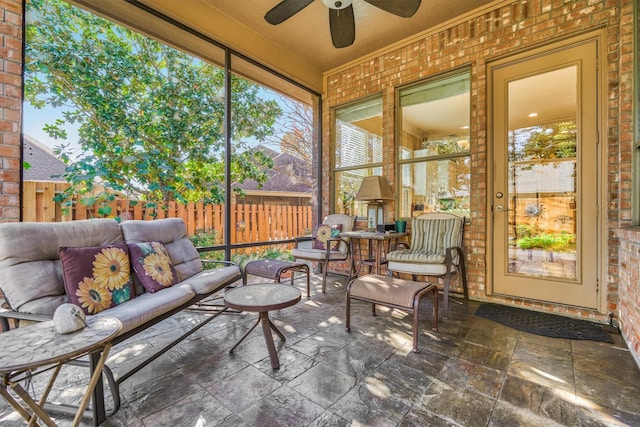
x: 511, y: 27
x: 10, y: 108
x: 629, y: 273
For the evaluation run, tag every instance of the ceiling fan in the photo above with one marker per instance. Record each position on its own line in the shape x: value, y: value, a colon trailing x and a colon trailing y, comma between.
x: 341, y: 21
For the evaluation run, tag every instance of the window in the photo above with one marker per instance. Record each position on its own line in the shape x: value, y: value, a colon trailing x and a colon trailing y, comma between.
x: 171, y: 125
x: 280, y: 207
x: 358, y: 151
x: 433, y: 152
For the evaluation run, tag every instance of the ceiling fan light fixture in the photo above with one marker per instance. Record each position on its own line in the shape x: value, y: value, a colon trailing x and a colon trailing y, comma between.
x: 337, y: 4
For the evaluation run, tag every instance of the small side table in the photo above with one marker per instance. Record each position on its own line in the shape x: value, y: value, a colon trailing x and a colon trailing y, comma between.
x: 263, y: 298
x: 38, y: 345
x: 370, y: 237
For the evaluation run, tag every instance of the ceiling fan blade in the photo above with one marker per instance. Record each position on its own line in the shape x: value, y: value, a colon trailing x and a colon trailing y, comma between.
x: 402, y: 8
x: 285, y: 10
x: 343, y: 26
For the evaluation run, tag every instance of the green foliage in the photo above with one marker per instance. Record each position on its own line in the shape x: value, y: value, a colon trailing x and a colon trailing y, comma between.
x: 267, y: 253
x: 204, y: 238
x: 524, y: 230
x: 210, y: 237
x: 561, y: 242
x: 555, y: 141
x: 150, y: 118
x: 447, y: 145
x: 242, y: 259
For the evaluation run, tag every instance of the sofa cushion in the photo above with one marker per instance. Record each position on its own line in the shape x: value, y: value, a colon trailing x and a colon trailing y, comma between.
x: 146, y: 307
x: 97, y: 277
x: 30, y: 267
x: 209, y: 281
x: 45, y: 306
x: 172, y: 232
x: 152, y: 265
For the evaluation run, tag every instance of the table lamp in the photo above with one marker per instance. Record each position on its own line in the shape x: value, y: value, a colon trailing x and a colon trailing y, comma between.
x: 375, y: 190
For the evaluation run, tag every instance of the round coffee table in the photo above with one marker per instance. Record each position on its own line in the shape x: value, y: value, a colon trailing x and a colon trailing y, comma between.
x: 39, y: 345
x: 263, y: 298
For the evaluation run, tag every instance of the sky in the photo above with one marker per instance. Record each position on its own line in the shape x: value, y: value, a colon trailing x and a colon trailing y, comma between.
x: 35, y: 119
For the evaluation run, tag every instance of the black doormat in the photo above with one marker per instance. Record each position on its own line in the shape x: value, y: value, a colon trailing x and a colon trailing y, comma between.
x: 549, y: 325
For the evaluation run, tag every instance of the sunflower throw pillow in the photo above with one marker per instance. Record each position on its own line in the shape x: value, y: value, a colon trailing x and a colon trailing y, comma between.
x: 97, y: 277
x: 324, y: 233
x: 152, y: 265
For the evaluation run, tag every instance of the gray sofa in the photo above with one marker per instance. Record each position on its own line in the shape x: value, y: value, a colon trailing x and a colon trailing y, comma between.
x: 31, y: 279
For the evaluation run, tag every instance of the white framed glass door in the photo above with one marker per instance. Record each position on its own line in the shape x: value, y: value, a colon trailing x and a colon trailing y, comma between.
x: 545, y: 177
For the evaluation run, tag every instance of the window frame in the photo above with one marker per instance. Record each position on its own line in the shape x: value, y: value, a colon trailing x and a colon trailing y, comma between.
x: 177, y: 35
x: 335, y: 170
x: 411, y: 161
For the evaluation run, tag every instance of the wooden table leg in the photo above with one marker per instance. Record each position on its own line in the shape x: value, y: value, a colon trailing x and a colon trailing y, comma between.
x: 268, y: 339
x: 14, y: 403
x: 24, y: 396
x: 97, y: 373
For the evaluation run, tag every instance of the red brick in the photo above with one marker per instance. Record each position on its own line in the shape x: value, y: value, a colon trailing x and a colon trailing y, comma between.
x: 10, y: 107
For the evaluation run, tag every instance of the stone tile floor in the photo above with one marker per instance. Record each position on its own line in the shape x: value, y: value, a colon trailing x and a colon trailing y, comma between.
x: 473, y: 372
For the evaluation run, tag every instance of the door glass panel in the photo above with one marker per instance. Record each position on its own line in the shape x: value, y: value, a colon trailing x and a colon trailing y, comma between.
x: 542, y: 187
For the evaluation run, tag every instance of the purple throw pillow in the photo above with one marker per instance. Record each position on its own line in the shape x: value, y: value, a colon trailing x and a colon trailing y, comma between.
x: 152, y: 265
x: 324, y: 233
x: 97, y: 277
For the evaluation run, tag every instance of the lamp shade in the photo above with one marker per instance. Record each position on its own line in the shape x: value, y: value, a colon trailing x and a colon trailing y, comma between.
x: 374, y: 188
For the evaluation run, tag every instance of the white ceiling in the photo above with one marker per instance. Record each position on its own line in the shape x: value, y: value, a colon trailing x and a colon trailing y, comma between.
x: 305, y: 38
x: 306, y: 34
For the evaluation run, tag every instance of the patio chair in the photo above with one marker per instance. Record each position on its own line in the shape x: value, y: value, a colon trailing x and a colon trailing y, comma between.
x: 436, y: 250
x: 327, y: 245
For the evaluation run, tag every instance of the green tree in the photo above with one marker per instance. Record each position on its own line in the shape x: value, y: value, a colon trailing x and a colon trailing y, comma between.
x: 150, y: 117
x: 553, y: 141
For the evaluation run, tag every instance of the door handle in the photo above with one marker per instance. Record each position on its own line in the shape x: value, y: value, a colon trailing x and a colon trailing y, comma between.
x: 500, y: 208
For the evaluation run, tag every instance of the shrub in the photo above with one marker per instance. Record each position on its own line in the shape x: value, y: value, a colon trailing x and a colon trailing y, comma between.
x: 561, y: 242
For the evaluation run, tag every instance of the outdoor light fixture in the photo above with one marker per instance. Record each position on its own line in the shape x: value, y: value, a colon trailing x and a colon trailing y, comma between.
x: 375, y: 190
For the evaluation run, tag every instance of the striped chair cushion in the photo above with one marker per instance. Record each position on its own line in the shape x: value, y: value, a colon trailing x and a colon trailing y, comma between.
x: 418, y: 257
x: 429, y: 240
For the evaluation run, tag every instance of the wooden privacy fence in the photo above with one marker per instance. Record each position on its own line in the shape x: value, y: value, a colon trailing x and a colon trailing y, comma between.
x: 251, y: 223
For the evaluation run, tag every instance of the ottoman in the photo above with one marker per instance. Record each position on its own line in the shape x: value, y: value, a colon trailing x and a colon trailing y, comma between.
x: 273, y: 269
x: 392, y: 292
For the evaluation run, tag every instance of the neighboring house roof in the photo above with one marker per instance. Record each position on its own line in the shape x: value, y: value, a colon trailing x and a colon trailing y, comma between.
x: 283, y: 176
x: 44, y: 164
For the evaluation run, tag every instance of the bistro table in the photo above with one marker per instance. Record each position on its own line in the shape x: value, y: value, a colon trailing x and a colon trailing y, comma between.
x: 376, y: 260
x: 263, y: 298
x: 25, y: 349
